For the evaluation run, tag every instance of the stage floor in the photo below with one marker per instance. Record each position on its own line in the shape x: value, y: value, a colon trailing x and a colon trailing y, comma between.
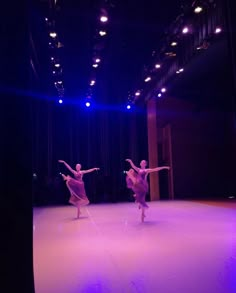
x: 182, y: 247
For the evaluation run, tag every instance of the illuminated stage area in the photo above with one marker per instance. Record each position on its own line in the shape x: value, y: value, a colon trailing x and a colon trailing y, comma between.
x: 183, y: 246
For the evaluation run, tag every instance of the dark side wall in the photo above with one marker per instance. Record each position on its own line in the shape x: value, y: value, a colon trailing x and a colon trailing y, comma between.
x: 202, y: 149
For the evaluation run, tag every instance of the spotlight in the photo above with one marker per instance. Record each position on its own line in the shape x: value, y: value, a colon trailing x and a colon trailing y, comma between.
x: 128, y: 107
x: 54, y: 72
x: 102, y: 33
x: 52, y: 58
x: 46, y: 19
x: 60, y: 101
x: 87, y: 104
x: 218, y: 30
x: 163, y: 90
x: 97, y: 60
x: 147, y: 79
x: 59, y: 82
x: 158, y: 66
x: 95, y: 65
x: 173, y: 44
x: 57, y: 65
x: 103, y: 18
x: 185, y: 30
x: 197, y: 9
x: 92, y: 82
x: 137, y: 93
x: 53, y: 35
x: 180, y: 70
x: 159, y: 95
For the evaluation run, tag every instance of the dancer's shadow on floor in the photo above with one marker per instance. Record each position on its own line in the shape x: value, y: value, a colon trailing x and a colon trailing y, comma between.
x: 71, y: 219
x: 150, y: 224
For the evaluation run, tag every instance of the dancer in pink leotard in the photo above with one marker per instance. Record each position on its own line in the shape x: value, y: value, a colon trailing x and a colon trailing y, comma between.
x: 136, y: 180
x: 75, y: 185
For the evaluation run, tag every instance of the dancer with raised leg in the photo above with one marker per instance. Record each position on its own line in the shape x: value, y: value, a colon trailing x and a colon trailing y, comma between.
x: 136, y: 180
x: 75, y: 185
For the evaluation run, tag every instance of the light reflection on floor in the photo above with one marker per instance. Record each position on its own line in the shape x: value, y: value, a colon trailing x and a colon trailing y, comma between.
x: 181, y: 247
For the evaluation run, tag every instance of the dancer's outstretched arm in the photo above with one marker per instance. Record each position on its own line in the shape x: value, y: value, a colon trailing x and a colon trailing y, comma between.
x: 67, y: 166
x: 150, y: 170
x: 132, y: 165
x: 89, y: 170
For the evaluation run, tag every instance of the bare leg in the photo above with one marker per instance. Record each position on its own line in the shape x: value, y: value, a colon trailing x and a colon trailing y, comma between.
x: 143, y: 214
x: 78, y: 211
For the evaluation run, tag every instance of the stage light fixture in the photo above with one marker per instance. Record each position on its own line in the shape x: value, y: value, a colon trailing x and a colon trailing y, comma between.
x: 102, y: 33
x: 163, y: 90
x: 158, y: 66
x: 185, y: 30
x: 53, y: 35
x: 147, y: 79
x: 218, y: 30
x: 103, y: 18
x: 198, y: 9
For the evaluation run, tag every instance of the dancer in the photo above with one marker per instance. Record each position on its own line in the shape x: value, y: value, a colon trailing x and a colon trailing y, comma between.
x: 75, y: 185
x: 136, y: 180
